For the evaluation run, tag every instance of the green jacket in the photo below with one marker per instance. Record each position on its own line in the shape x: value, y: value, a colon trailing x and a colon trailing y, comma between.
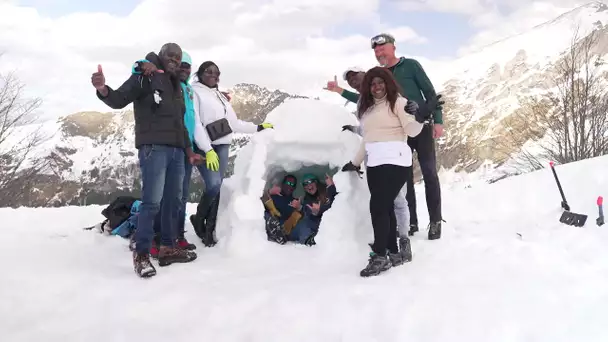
x: 413, y: 82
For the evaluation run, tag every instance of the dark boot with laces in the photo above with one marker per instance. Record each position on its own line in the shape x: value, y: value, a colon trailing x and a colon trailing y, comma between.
x: 396, y: 259
x: 405, y: 248
x: 376, y: 265
x: 142, y: 265
x: 169, y: 255
x: 413, y: 229
x: 435, y: 230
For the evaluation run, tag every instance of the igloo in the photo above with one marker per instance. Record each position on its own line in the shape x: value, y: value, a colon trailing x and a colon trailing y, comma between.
x: 308, y: 134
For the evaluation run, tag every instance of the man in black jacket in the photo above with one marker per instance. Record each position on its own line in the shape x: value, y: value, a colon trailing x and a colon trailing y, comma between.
x: 162, y: 140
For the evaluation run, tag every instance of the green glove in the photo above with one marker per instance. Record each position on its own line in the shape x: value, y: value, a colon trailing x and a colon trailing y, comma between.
x: 264, y: 126
x: 213, y: 161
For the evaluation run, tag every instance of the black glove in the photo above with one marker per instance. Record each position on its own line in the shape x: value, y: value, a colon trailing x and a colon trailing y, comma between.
x: 348, y: 128
x: 351, y: 167
x: 423, y: 113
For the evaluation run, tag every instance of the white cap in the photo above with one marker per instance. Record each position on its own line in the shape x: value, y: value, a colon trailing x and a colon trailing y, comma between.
x: 353, y: 69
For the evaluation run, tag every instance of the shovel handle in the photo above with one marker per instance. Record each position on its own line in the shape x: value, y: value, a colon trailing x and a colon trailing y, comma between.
x: 600, y: 201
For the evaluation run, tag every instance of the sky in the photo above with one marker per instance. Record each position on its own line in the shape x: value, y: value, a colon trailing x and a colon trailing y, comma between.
x: 53, y: 47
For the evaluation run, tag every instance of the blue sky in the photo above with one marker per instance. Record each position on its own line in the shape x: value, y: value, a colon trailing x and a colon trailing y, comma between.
x: 446, y: 32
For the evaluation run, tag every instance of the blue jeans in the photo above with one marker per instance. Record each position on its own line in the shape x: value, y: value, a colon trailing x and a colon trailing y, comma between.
x: 162, y: 176
x: 303, y: 230
x: 213, y: 179
x: 181, y: 215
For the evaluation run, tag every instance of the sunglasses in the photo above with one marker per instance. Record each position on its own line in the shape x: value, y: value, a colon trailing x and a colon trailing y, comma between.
x: 381, y: 39
x: 308, y: 181
x: 290, y: 183
x: 185, y: 65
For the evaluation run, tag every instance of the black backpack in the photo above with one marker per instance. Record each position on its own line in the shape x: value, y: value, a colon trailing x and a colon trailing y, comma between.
x: 118, y: 211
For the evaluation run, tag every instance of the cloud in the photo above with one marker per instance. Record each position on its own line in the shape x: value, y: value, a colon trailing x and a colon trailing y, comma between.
x: 280, y: 44
x: 494, y: 19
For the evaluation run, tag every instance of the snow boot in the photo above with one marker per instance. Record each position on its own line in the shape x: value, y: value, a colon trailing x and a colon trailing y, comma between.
x: 208, y: 238
x: 405, y: 248
x: 169, y: 255
x: 376, y: 265
x: 413, y: 229
x: 310, y: 241
x: 202, y: 211
x: 274, y: 231
x: 434, y: 230
x: 182, y: 243
x: 396, y: 259
x: 142, y: 265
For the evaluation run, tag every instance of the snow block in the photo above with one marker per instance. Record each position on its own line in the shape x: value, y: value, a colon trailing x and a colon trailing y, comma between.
x: 307, y: 133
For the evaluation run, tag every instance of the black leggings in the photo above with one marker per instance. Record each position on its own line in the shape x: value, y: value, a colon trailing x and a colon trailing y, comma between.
x: 384, y: 182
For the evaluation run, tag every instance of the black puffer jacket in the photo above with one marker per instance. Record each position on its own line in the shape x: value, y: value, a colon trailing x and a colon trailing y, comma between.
x: 155, y: 123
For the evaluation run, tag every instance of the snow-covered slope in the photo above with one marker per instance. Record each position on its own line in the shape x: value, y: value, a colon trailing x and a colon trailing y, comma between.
x: 93, y: 156
x: 485, y: 87
x: 505, y: 269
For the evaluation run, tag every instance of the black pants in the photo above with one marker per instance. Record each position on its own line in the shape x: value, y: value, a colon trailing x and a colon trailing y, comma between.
x: 384, y: 182
x: 424, y: 145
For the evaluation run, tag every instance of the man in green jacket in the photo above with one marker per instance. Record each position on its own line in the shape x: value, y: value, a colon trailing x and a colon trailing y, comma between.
x: 416, y: 86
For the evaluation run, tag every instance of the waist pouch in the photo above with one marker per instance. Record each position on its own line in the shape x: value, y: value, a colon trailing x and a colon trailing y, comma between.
x: 218, y: 129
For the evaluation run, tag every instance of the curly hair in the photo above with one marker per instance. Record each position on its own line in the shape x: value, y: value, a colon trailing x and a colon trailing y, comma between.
x: 366, y: 99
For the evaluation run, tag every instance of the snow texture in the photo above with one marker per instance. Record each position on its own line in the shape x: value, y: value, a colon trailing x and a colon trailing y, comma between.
x: 505, y: 269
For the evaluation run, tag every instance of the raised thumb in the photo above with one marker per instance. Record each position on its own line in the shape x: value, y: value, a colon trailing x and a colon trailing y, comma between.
x: 99, y: 68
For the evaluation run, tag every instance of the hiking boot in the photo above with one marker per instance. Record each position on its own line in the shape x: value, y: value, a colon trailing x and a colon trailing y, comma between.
x: 310, y: 241
x: 413, y: 229
x: 434, y: 230
x: 274, y: 231
x: 182, y: 243
x: 142, y: 265
x: 396, y: 259
x: 170, y: 255
x: 376, y: 265
x: 405, y: 248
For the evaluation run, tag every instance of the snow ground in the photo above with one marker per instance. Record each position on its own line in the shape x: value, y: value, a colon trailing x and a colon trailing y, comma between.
x: 504, y: 270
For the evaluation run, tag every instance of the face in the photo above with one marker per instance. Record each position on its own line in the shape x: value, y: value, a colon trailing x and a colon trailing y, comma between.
x: 289, y: 185
x: 310, y: 187
x: 211, y: 76
x: 185, y: 70
x: 171, y: 59
x: 378, y: 88
x: 354, y: 79
x: 384, y: 53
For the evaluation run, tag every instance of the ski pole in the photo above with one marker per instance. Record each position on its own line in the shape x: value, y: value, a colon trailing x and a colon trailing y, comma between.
x: 600, y: 209
x: 559, y: 186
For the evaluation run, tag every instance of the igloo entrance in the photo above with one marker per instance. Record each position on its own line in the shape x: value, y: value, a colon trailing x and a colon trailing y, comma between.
x: 307, y: 138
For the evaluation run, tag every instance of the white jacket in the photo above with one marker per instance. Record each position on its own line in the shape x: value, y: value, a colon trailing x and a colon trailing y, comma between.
x: 211, y: 105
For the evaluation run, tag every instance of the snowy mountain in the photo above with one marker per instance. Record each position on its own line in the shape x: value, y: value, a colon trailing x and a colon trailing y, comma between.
x: 93, y: 154
x: 485, y: 87
x: 506, y: 270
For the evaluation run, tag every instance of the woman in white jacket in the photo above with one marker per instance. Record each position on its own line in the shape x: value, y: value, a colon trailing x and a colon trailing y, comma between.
x: 215, y: 122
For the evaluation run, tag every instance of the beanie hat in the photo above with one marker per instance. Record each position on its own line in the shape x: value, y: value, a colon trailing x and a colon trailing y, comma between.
x: 186, y: 58
x: 352, y: 69
x: 309, y: 177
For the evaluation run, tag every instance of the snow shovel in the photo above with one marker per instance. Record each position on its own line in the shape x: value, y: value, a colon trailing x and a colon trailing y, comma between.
x: 568, y: 217
x: 600, y: 209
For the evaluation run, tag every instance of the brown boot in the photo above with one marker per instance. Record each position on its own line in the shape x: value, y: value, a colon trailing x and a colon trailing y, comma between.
x: 142, y: 265
x: 169, y: 255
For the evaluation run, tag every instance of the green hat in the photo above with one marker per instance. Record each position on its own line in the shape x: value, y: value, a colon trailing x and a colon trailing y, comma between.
x: 308, y: 178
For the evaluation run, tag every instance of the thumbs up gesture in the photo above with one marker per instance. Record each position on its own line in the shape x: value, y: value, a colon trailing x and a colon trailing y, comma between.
x: 333, y: 86
x: 99, y: 80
